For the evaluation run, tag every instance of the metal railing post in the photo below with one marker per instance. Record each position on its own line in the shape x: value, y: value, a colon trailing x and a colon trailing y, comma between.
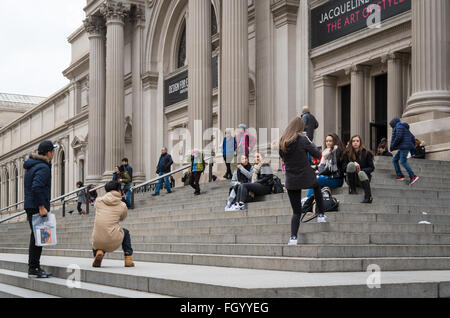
x: 87, y: 201
x: 64, y: 208
x: 132, y: 199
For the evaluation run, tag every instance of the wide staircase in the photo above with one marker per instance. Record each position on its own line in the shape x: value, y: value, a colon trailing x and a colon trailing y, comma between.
x: 187, y: 246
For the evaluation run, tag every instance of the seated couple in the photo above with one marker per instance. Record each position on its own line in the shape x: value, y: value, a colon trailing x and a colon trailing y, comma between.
x: 257, y: 179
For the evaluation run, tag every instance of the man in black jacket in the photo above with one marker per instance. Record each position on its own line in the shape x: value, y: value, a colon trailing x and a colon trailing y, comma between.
x: 311, y: 123
x: 164, y: 165
x: 37, y: 199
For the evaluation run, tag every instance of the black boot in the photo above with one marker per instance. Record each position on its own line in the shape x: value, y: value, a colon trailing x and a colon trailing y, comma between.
x: 352, y: 177
x: 367, y: 192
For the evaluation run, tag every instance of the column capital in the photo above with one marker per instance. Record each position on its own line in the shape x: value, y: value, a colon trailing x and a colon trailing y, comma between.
x: 139, y: 16
x: 324, y: 80
x: 115, y: 11
x: 94, y: 25
x: 284, y: 11
x: 360, y: 68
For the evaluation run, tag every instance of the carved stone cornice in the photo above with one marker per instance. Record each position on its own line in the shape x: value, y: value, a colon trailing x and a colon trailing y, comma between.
x: 284, y: 12
x: 150, y: 80
x: 115, y: 11
x: 94, y: 25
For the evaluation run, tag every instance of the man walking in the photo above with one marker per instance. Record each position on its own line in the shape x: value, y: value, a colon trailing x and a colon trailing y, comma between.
x: 164, y: 165
x: 37, y: 183
x: 403, y: 141
x: 311, y: 123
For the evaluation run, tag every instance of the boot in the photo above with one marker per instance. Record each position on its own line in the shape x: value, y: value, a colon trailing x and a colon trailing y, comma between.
x: 367, y: 192
x: 129, y: 261
x: 352, y: 183
x: 98, y: 259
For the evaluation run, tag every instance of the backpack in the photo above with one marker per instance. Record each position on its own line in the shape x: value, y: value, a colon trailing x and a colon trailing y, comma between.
x: 330, y: 204
x: 277, y: 186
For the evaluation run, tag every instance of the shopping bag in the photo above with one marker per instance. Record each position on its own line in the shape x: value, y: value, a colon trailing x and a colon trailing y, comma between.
x: 44, y: 229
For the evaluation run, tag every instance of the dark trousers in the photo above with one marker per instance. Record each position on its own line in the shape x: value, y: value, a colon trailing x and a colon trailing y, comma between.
x: 295, y: 196
x: 194, y: 180
x: 34, y: 252
x: 229, y: 173
x: 126, y: 244
x: 79, y: 209
x: 256, y: 188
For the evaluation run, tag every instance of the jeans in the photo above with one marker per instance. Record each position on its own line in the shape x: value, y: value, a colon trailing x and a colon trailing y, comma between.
x: 34, y: 252
x: 324, y: 181
x: 127, y: 199
x: 402, y: 156
x: 126, y: 244
x: 160, y: 184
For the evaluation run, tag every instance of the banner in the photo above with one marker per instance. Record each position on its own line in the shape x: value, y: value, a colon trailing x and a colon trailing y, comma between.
x: 338, y: 18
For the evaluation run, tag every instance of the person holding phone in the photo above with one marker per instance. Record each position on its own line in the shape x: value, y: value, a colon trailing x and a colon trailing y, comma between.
x: 37, y: 182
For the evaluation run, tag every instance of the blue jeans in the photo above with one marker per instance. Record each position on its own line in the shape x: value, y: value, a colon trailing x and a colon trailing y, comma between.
x: 127, y: 199
x: 324, y: 181
x: 160, y: 183
x: 402, y: 156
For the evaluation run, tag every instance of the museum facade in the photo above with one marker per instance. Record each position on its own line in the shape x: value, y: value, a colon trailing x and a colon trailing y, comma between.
x: 142, y: 71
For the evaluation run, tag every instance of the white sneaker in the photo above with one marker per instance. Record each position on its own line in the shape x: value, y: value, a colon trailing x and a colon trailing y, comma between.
x: 322, y: 219
x: 293, y: 241
x: 228, y: 207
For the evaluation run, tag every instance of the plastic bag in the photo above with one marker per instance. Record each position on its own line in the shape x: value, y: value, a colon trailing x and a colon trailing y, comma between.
x: 44, y: 229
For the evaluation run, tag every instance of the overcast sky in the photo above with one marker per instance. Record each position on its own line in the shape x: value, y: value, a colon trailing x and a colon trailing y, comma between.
x: 33, y: 44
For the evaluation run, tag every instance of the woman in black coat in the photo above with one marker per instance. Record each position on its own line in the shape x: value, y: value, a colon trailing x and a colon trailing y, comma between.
x: 358, y: 164
x: 294, y: 149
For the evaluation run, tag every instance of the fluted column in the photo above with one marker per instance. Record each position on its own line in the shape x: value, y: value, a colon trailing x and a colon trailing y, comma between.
x: 430, y: 57
x: 357, y: 109
x: 138, y: 111
x: 395, y: 88
x: 115, y: 13
x: 200, y: 69
x: 234, y: 63
x: 95, y: 26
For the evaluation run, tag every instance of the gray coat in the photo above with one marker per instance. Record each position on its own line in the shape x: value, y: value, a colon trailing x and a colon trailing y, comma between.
x: 82, y: 197
x: 299, y: 174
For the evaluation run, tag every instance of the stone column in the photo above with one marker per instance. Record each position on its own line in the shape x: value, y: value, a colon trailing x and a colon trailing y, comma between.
x: 200, y: 69
x: 395, y: 88
x: 285, y: 19
x: 430, y: 57
x: 325, y: 88
x: 234, y: 63
x: 358, y: 106
x: 115, y: 14
x: 2, y: 188
x: 97, y: 71
x: 138, y: 111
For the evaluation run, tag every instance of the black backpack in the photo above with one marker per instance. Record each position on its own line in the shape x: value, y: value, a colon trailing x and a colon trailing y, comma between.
x: 330, y: 204
x: 277, y: 186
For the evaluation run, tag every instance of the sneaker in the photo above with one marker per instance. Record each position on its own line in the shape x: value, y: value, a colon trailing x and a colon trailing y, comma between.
x: 241, y: 207
x: 155, y: 194
x: 228, y: 208
x: 400, y: 178
x: 322, y: 219
x: 414, y: 180
x: 38, y: 273
x: 293, y: 241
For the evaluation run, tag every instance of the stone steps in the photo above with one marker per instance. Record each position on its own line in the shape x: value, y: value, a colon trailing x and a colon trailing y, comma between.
x: 212, y: 282
x: 9, y: 291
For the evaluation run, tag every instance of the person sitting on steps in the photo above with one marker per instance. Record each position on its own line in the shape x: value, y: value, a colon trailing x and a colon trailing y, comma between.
x: 108, y: 236
x: 242, y: 175
x: 358, y: 164
x: 261, y: 183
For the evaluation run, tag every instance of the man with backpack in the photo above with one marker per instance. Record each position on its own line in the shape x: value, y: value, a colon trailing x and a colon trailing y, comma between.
x: 403, y: 141
x: 311, y: 123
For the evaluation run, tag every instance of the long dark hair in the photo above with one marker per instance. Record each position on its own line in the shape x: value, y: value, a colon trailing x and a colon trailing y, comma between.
x: 336, y: 142
x: 291, y: 134
x: 351, y: 153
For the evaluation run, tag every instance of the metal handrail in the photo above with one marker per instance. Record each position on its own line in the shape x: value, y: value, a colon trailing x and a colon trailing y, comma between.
x: 60, y: 198
x: 12, y: 206
x: 155, y: 180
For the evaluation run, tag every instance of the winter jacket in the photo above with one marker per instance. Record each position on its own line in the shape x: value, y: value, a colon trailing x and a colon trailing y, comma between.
x: 38, y: 177
x: 197, y: 162
x: 82, y: 196
x: 245, y: 142
x: 125, y: 179
x: 263, y: 174
x: 109, y: 211
x: 311, y: 125
x: 365, y: 161
x: 402, y: 138
x: 229, y: 146
x: 164, y: 164
x: 244, y: 175
x: 130, y: 171
x: 299, y: 174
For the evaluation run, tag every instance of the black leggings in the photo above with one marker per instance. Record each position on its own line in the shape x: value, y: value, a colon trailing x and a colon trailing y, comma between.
x: 34, y: 252
x: 295, y: 196
x: 194, y: 180
x: 256, y: 188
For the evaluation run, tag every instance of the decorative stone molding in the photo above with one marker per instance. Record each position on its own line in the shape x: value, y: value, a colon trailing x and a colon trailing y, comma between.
x: 94, y: 25
x: 150, y: 80
x: 284, y: 12
x: 115, y: 10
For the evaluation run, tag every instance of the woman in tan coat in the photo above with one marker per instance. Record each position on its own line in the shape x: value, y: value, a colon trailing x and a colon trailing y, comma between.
x: 108, y: 236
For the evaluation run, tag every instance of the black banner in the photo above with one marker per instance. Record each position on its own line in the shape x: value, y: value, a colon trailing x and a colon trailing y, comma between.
x: 176, y: 88
x: 338, y: 18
